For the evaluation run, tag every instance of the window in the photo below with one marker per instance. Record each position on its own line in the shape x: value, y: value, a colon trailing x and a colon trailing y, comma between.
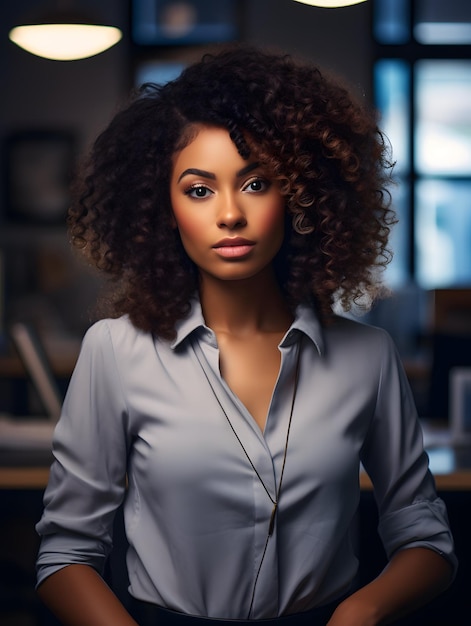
x: 422, y: 87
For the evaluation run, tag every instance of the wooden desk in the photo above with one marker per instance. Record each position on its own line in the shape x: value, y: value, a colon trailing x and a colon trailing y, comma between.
x: 23, y: 477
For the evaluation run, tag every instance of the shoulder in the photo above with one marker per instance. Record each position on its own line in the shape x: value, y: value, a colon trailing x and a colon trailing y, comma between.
x: 346, y: 333
x: 361, y: 354
x: 115, y: 334
x: 355, y: 328
x: 120, y: 326
x: 343, y: 334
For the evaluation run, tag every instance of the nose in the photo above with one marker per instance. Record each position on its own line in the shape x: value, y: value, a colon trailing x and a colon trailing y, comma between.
x: 230, y: 214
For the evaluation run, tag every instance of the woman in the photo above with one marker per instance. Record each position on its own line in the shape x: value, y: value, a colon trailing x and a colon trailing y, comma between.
x: 223, y: 400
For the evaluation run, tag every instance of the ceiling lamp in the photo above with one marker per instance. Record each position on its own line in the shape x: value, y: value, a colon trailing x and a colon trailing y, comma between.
x: 330, y: 4
x: 64, y: 36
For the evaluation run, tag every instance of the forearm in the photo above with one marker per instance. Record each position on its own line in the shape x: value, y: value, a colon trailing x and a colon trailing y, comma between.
x: 412, y: 578
x: 78, y: 596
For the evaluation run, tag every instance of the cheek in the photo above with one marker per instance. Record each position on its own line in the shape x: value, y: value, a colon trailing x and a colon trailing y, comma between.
x: 189, y: 227
x: 182, y: 218
x: 273, y: 220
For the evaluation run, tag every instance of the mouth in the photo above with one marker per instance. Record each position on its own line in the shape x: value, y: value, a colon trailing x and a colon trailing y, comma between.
x: 233, y: 247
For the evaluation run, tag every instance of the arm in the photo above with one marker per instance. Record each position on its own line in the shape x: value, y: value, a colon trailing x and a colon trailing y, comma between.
x: 78, y: 596
x: 413, y: 523
x: 87, y: 480
x: 412, y: 578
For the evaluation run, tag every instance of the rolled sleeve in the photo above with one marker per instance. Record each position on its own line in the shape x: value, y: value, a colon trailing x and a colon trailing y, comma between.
x: 422, y: 524
x: 410, y: 512
x: 79, y: 550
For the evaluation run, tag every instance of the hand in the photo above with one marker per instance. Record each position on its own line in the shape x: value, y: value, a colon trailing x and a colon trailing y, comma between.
x: 412, y: 578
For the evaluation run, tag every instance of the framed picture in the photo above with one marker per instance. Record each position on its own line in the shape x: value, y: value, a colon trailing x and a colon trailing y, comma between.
x: 39, y: 165
x: 189, y: 22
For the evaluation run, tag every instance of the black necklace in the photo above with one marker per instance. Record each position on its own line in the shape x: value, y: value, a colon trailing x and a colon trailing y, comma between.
x: 276, y: 499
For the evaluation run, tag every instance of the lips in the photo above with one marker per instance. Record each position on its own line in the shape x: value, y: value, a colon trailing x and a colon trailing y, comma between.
x: 233, y: 247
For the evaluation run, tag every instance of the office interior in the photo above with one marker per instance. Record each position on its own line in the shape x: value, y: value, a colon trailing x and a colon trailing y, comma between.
x: 411, y: 59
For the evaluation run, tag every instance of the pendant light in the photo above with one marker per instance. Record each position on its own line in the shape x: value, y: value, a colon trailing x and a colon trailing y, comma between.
x: 330, y: 4
x: 64, y: 35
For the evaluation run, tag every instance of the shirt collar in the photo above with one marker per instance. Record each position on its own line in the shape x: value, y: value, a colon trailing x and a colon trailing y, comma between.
x: 191, y: 323
x: 305, y: 322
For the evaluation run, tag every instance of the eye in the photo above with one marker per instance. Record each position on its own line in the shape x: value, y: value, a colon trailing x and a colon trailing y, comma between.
x: 256, y: 185
x: 198, y: 191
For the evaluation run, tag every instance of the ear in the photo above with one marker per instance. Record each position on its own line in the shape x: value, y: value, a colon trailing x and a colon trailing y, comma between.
x: 173, y: 221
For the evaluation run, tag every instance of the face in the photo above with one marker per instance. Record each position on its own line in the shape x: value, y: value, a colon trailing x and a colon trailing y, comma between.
x: 229, y: 214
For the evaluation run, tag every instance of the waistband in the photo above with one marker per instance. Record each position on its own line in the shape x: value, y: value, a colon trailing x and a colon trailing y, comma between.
x: 148, y: 614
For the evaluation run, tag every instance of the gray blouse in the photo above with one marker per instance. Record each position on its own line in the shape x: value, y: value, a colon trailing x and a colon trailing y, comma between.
x: 152, y: 422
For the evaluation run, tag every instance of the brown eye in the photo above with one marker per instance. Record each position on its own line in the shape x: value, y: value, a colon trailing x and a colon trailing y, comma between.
x: 198, y: 191
x: 256, y: 185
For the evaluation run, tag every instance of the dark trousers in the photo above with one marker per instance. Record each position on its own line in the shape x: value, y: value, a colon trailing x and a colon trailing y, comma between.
x: 147, y: 614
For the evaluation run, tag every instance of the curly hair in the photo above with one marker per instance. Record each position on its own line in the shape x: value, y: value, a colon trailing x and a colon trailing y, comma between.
x: 322, y: 146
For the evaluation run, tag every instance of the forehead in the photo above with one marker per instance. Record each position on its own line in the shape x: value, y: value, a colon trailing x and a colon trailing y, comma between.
x: 208, y: 146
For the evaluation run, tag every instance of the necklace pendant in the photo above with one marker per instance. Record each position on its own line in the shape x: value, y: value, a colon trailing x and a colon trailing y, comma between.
x: 271, y: 527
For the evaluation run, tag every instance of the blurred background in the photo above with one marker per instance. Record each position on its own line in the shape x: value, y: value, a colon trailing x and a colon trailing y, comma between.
x: 409, y: 58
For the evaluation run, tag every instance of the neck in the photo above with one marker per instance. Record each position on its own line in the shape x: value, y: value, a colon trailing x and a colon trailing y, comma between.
x: 245, y: 307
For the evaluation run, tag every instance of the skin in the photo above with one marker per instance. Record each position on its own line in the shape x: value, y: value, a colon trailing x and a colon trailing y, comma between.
x: 217, y: 196
x: 242, y: 303
x: 412, y: 578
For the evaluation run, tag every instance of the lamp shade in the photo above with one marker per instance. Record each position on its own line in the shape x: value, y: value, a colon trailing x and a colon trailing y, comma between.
x: 330, y: 4
x: 64, y: 37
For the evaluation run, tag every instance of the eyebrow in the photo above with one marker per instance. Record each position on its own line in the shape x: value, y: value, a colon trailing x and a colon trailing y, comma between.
x: 211, y: 176
x: 196, y: 172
